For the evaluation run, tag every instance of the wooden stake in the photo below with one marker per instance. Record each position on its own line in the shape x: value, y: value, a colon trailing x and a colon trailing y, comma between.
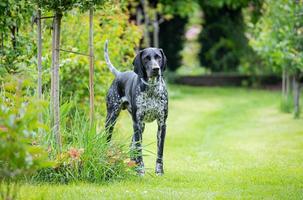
x: 56, y: 81
x: 91, y: 68
x: 39, y: 55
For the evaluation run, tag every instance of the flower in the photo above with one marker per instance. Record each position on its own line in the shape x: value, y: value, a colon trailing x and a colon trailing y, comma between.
x: 3, y: 128
x: 75, y: 153
x: 130, y: 163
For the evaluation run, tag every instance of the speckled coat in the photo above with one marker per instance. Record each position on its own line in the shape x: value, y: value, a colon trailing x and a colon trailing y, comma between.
x: 145, y: 98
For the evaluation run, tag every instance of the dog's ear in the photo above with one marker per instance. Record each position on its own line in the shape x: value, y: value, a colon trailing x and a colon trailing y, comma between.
x: 138, y: 65
x: 164, y: 60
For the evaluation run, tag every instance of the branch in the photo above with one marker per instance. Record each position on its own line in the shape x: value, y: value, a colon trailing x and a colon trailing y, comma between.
x: 83, y: 54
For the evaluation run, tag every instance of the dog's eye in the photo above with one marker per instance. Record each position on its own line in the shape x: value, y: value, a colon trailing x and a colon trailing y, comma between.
x: 147, y: 58
x: 157, y: 57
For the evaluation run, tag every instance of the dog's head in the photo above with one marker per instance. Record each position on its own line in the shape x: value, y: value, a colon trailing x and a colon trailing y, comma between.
x: 150, y: 63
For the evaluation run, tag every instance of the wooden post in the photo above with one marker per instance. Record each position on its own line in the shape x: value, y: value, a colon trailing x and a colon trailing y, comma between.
x: 52, y: 74
x: 91, y: 68
x: 56, y: 86
x: 39, y: 59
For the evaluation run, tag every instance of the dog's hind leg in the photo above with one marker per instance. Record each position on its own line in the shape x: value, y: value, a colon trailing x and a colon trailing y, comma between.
x: 113, y: 105
x: 111, y: 119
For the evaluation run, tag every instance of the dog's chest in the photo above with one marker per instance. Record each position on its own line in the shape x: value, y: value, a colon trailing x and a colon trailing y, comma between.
x: 151, y: 105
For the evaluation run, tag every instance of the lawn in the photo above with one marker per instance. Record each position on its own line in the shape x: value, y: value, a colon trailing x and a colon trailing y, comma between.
x: 222, y: 143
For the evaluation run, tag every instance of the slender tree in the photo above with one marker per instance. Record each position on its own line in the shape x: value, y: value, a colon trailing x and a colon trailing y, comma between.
x: 278, y: 39
x: 146, y: 37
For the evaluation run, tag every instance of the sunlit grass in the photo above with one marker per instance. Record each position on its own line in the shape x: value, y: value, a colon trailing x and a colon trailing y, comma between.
x: 222, y: 143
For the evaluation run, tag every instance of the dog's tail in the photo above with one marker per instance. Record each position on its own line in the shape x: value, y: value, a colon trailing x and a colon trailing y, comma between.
x: 109, y: 64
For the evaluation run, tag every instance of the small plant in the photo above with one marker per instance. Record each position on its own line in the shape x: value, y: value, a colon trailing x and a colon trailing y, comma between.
x: 86, y: 155
x: 19, y: 153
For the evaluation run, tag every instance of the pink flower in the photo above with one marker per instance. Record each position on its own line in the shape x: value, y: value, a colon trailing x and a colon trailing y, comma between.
x: 75, y: 153
x: 3, y: 128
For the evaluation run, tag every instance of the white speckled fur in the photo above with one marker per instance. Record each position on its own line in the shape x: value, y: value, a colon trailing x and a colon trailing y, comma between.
x: 152, y: 103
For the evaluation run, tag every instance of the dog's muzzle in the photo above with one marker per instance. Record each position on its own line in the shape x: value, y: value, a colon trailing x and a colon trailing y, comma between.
x: 155, y: 70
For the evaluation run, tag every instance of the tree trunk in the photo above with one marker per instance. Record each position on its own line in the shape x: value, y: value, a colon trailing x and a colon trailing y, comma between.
x: 14, y: 36
x: 56, y: 86
x: 39, y: 54
x: 156, y: 30
x: 284, y: 84
x: 146, y: 23
x: 296, y: 89
x: 138, y: 21
x: 91, y: 68
x: 287, y: 85
x: 2, y: 43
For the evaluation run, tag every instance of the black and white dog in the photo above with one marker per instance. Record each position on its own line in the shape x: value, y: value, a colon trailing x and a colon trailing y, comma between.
x: 143, y: 93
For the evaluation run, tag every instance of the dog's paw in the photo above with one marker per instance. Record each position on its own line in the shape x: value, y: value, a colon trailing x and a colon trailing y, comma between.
x: 159, y: 169
x: 140, y: 169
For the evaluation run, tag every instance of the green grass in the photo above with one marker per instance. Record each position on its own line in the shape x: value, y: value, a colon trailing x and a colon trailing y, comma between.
x: 222, y: 143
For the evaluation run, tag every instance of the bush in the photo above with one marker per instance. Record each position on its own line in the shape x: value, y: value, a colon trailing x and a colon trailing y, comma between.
x: 19, y: 153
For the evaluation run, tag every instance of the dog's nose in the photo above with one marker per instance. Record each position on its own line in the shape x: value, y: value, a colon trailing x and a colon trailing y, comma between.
x: 156, y: 69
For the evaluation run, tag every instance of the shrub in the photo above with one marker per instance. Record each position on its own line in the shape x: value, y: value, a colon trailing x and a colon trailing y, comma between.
x: 19, y: 153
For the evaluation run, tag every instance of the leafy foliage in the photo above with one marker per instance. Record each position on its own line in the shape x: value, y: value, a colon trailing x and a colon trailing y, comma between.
x: 181, y: 8
x: 18, y: 131
x: 16, y: 37
x: 224, y: 43
x: 20, y: 154
x: 109, y: 23
x: 278, y: 35
x: 56, y: 5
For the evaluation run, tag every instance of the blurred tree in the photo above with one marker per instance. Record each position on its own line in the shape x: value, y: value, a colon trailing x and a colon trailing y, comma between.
x: 172, y: 30
x: 278, y: 39
x: 15, y: 47
x: 164, y: 25
x: 224, y: 44
x: 171, y: 40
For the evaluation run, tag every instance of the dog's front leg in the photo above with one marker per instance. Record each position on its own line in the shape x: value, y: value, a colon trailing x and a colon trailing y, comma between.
x: 160, y: 145
x: 136, y: 146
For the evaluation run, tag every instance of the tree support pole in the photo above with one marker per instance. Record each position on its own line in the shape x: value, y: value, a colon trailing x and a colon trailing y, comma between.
x: 39, y: 59
x: 56, y: 80
x: 91, y: 68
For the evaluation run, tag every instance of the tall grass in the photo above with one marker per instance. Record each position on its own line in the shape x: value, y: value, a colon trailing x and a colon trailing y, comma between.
x: 86, y: 155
